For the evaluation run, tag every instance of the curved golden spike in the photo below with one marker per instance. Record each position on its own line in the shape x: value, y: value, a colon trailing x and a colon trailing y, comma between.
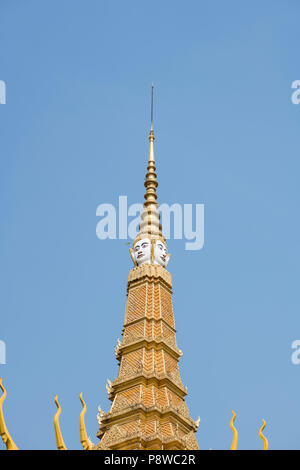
x: 58, y: 435
x: 86, y: 443
x: 235, y: 433
x: 6, y: 438
x: 266, y: 444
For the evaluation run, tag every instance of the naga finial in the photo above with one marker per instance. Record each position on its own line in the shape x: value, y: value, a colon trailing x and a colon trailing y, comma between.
x: 100, y: 415
x: 6, y: 438
x: 108, y: 387
x: 266, y: 444
x: 197, y: 422
x: 117, y: 348
x: 235, y: 433
x: 85, y: 441
x: 58, y: 435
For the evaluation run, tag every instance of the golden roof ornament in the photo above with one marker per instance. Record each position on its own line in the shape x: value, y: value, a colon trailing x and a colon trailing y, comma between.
x: 84, y: 439
x: 234, y: 431
x: 58, y: 434
x: 260, y: 433
x: 6, y: 437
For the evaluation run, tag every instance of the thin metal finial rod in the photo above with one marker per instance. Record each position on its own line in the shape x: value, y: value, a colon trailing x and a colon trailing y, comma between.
x: 152, y: 104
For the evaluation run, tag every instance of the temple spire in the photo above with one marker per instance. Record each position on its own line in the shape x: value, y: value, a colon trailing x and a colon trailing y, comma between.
x: 150, y: 226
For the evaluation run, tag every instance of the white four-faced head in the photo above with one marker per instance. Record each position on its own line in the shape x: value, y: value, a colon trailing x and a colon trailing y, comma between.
x: 142, y: 251
x: 160, y: 253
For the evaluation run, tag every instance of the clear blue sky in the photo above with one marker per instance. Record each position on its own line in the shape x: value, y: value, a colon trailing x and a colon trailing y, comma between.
x: 74, y: 134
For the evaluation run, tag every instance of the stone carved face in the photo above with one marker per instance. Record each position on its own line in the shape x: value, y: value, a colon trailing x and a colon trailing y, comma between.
x: 142, y: 251
x: 160, y: 253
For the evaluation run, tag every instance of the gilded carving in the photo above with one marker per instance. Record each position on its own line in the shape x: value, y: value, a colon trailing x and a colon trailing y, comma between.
x: 191, y: 441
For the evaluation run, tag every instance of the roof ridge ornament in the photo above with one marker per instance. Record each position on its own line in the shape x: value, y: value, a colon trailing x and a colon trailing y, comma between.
x: 58, y: 435
x: 234, y: 431
x: 84, y: 439
x: 6, y: 437
x: 265, y: 440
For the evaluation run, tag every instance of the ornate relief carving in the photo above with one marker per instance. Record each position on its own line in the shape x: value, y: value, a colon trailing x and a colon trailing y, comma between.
x: 150, y: 271
x: 191, y: 441
x: 120, y: 404
x: 175, y: 377
x: 183, y: 410
x: 126, y: 370
x: 130, y: 339
x: 110, y: 437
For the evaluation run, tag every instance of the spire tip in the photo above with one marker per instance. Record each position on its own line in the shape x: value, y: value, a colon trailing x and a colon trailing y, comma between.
x: 152, y: 106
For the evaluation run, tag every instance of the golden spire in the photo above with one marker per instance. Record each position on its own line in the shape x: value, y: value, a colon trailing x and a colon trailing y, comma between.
x: 6, y: 438
x: 59, y: 439
x: 150, y: 226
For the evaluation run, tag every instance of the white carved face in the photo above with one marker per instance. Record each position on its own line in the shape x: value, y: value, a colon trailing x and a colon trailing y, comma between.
x: 160, y: 253
x: 142, y: 251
